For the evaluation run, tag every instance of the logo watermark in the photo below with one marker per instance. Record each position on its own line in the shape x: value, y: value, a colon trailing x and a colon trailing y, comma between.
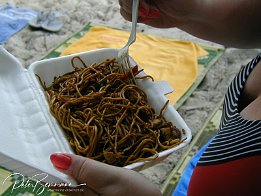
x: 38, y: 185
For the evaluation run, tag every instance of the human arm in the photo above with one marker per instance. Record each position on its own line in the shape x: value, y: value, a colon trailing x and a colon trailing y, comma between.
x: 101, y: 178
x: 234, y: 23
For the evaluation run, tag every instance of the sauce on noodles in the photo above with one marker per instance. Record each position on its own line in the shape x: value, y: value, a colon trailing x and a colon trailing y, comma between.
x: 106, y: 116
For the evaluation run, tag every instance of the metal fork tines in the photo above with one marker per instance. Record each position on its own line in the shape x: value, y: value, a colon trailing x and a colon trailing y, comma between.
x: 123, y: 55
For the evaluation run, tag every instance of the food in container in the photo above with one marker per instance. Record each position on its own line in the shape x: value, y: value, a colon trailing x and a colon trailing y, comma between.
x: 106, y: 116
x: 29, y: 133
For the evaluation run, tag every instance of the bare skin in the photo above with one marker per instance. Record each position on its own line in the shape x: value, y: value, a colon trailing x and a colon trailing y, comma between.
x: 251, y: 97
x: 103, y: 179
x: 226, y: 22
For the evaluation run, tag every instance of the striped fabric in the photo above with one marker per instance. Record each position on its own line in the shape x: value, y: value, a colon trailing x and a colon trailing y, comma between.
x: 237, y: 137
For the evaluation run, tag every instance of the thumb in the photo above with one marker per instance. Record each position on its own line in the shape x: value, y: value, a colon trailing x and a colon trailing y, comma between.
x: 95, y: 174
x: 103, y: 178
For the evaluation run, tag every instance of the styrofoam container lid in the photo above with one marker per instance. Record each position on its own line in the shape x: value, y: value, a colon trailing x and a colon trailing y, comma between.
x: 29, y: 133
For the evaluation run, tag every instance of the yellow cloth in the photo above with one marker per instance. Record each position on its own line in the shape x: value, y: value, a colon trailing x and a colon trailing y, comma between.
x: 164, y: 59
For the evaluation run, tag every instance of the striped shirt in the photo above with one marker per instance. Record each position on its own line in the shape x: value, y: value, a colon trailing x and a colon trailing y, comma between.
x: 237, y: 137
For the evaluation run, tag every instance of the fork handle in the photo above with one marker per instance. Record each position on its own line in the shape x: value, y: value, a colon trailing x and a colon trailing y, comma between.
x: 135, y: 6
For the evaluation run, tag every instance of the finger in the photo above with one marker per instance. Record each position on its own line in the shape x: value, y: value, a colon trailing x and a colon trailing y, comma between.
x: 145, y: 6
x: 147, y: 11
x: 103, y: 178
x: 126, y: 5
x: 125, y: 9
x: 125, y: 15
x: 95, y: 174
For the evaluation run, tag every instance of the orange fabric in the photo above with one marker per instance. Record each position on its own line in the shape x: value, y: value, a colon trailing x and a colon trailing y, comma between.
x: 164, y: 59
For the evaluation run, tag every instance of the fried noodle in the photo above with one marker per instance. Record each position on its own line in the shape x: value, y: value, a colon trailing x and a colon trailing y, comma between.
x: 106, y: 117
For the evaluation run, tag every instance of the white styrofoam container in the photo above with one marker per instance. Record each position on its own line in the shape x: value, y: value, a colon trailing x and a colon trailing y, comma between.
x: 29, y: 133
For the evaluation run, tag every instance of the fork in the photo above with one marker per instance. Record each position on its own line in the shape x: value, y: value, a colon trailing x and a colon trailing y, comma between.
x: 123, y: 54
